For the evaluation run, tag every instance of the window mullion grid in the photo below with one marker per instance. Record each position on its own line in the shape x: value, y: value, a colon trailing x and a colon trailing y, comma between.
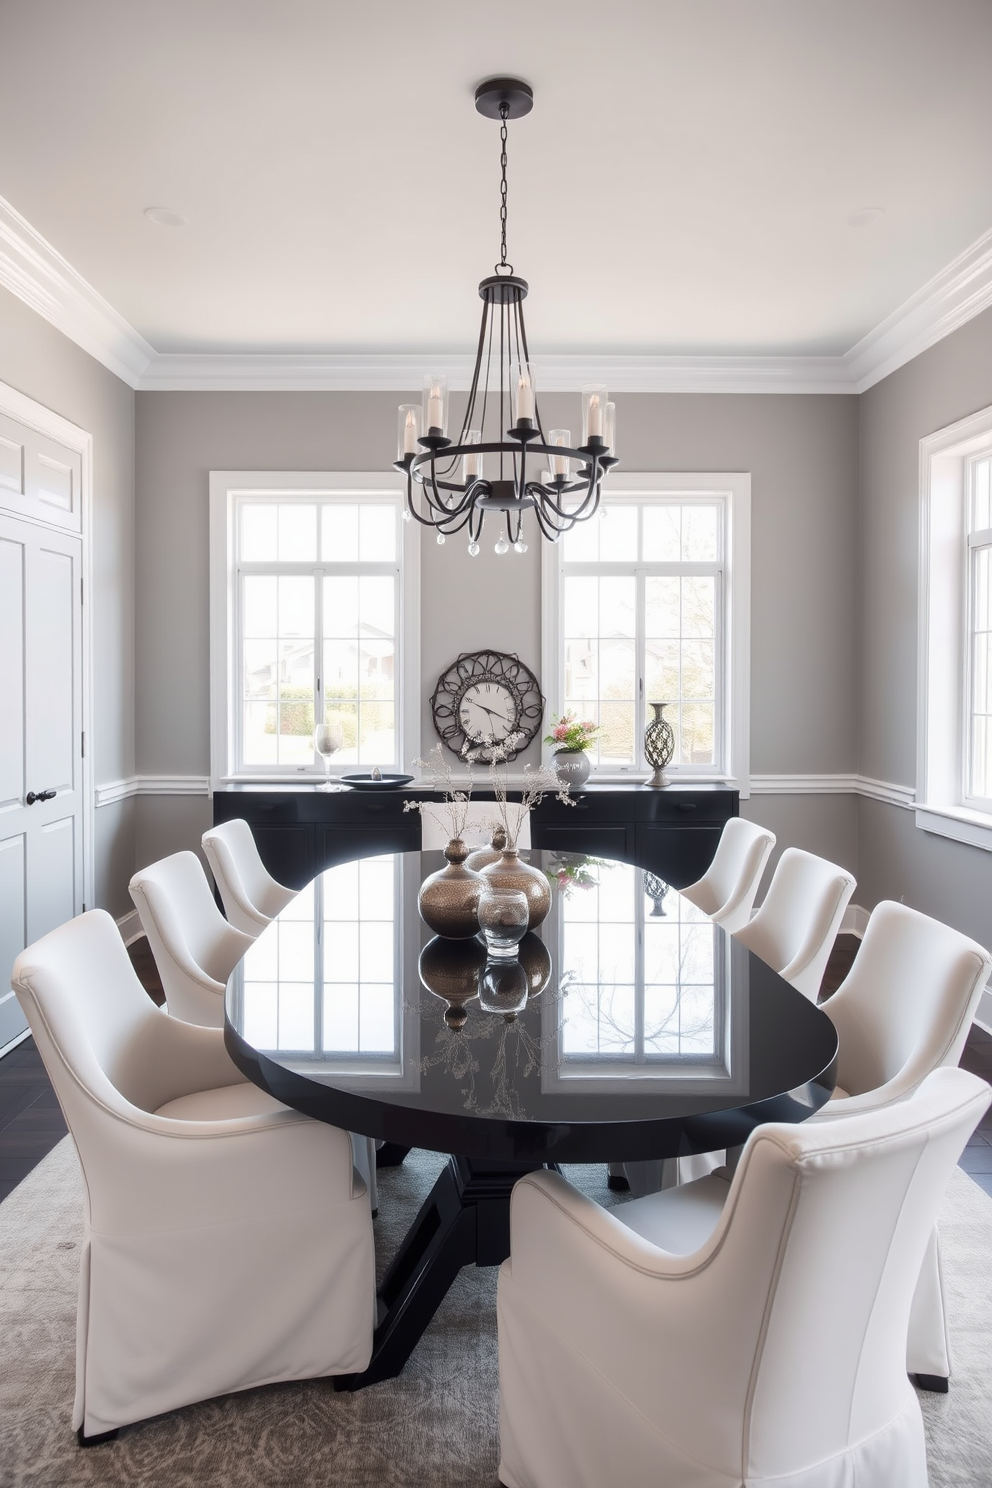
x: 319, y: 711
x: 640, y: 686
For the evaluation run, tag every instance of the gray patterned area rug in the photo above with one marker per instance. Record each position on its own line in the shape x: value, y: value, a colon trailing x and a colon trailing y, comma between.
x: 433, y: 1427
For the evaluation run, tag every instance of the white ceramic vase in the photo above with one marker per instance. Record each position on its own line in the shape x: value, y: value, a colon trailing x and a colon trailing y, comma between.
x: 572, y: 767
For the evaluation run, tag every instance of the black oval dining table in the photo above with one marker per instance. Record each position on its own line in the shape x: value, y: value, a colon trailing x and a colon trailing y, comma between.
x: 629, y: 1027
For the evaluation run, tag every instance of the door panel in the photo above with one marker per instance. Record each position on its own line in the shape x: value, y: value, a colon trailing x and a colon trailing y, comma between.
x: 41, y: 844
x: 12, y: 673
x: 53, y: 727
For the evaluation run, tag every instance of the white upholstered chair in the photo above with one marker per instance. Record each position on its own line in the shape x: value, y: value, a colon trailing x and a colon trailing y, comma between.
x: 727, y: 889
x: 477, y: 831
x: 251, y: 896
x: 796, y: 925
x: 904, y: 1009
x: 228, y: 1241
x: 195, y: 948
x: 756, y: 1338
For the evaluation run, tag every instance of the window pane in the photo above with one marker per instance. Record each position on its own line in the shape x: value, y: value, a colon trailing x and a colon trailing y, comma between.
x: 259, y: 741
x: 982, y: 509
x: 258, y: 532
x: 662, y: 533
x: 680, y: 661
x: 360, y: 665
x: 981, y: 675
x: 581, y: 606
x: 581, y: 545
x: 377, y: 534
x: 339, y: 534
x: 297, y: 533
x: 600, y: 660
x: 700, y: 527
x: 617, y: 534
x: 296, y: 606
x: 259, y: 617
x: 260, y: 669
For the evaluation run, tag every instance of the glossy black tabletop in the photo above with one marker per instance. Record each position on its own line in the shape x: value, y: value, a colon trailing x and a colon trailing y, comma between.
x: 630, y: 1027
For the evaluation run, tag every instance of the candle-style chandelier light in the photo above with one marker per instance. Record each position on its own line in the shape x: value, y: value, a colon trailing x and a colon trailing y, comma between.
x: 509, y: 469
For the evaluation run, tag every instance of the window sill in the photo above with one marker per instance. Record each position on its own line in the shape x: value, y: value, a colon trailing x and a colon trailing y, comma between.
x: 957, y: 822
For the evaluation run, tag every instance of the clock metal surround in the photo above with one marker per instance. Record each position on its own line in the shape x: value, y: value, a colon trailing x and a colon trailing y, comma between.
x: 487, y: 694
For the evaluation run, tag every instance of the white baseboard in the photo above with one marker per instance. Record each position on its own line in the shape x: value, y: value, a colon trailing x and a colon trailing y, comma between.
x: 13, y: 1043
x: 130, y: 927
x: 855, y: 921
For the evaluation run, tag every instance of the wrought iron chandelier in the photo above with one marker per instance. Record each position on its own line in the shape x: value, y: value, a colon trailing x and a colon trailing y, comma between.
x: 504, y: 469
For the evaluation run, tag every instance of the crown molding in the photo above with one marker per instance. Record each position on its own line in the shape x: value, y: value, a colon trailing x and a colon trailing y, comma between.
x: 389, y: 372
x: 962, y: 290
x: 37, y: 274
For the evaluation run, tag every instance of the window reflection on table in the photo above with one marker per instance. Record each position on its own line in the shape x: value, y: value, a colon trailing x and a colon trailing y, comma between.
x: 640, y: 985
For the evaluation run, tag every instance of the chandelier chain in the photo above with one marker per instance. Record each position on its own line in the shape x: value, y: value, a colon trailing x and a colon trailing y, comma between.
x: 503, y: 112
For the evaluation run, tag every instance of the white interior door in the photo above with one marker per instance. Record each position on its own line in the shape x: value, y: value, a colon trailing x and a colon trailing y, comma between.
x: 41, y: 743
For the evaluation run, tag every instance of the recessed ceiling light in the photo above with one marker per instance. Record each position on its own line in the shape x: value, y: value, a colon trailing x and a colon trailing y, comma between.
x: 162, y: 217
x: 865, y: 216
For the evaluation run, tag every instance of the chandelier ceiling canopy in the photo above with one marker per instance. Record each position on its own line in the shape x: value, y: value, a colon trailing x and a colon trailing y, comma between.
x: 502, y: 459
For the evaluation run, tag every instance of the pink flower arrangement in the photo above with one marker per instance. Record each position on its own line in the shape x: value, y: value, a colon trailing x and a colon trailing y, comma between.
x: 569, y: 732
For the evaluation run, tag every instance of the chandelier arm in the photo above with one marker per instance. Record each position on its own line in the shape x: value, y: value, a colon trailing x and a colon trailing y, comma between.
x: 522, y: 340
x: 547, y: 529
x: 474, y: 389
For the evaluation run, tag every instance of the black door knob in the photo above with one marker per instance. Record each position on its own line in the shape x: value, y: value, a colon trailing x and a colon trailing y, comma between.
x: 33, y: 796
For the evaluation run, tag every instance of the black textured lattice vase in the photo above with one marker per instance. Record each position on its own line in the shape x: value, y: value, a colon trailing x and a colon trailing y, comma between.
x: 659, y: 744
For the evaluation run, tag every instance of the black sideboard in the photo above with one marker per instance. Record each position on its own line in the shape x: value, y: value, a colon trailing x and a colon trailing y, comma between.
x: 301, y: 829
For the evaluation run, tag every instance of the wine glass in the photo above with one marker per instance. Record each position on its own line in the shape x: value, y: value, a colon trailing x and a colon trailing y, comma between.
x: 327, y: 740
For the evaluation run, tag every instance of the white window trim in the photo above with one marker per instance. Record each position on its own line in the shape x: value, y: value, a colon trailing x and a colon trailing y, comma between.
x: 940, y: 740
x: 735, y: 489
x: 225, y: 487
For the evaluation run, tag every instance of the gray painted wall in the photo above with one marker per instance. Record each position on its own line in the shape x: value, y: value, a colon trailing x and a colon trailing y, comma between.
x: 802, y: 455
x: 896, y: 859
x: 45, y: 365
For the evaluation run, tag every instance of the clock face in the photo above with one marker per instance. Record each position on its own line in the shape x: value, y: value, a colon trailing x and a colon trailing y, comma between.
x: 483, y: 696
x: 488, y: 710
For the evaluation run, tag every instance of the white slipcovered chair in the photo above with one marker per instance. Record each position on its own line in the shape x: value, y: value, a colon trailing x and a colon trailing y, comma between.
x: 478, y: 829
x: 765, y: 1347
x: 195, y: 948
x: 795, y: 928
x: 228, y: 1240
x: 727, y: 889
x: 904, y: 1009
x: 250, y: 895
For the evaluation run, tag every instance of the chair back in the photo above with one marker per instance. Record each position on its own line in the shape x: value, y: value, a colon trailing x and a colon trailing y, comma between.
x: 93, y: 1022
x: 478, y: 829
x: 797, y: 923
x: 250, y: 895
x: 826, y: 1227
x: 727, y: 889
x: 183, y: 925
x: 907, y: 1003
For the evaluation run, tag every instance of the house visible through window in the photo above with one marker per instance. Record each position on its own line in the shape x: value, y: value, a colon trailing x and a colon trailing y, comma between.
x: 313, y: 612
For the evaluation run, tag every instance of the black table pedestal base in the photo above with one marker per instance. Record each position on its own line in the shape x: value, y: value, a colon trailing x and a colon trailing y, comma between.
x: 464, y: 1220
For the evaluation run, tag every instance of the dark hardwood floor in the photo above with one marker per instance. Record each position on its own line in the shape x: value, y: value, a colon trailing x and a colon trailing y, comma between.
x: 31, y: 1122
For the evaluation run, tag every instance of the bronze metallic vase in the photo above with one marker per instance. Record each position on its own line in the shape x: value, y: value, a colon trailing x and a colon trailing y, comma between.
x: 449, y: 899
x: 508, y: 872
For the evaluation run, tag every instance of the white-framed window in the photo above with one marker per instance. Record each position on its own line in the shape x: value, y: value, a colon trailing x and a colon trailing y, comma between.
x: 314, y: 615
x: 954, y: 747
x: 650, y: 602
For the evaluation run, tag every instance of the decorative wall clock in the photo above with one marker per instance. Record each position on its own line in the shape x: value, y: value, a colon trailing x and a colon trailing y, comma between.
x: 483, y: 695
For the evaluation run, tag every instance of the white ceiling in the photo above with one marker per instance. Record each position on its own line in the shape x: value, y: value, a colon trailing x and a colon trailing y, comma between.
x: 683, y: 185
